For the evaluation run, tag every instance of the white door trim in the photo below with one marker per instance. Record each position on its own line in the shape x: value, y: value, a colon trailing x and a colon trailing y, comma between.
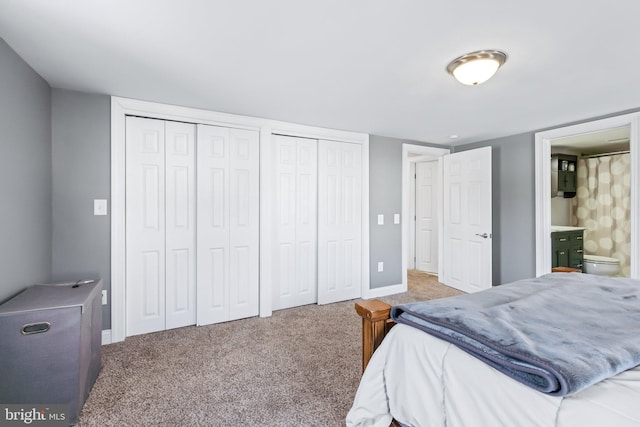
x: 543, y: 184
x: 121, y: 107
x: 411, y: 249
x: 432, y: 153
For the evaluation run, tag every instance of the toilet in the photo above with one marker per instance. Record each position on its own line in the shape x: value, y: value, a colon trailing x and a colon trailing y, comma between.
x: 601, y: 265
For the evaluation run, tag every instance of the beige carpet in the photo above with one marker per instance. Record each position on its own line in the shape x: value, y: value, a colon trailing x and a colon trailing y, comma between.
x: 300, y: 367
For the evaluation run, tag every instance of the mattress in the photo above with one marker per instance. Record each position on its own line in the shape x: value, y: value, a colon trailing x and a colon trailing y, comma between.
x: 421, y: 380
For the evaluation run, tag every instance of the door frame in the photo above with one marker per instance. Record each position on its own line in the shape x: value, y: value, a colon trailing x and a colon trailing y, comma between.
x: 543, y: 184
x: 425, y: 153
x: 122, y: 107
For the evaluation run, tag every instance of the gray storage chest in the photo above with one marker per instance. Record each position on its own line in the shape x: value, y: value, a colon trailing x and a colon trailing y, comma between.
x: 50, y: 345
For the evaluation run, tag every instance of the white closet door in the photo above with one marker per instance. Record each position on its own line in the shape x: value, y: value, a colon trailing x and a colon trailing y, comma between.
x: 227, y: 224
x: 339, y: 221
x: 244, y: 223
x: 180, y: 226
x: 145, y: 221
x: 295, y: 210
x: 213, y: 224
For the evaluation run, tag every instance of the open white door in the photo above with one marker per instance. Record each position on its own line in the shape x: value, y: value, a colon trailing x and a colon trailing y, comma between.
x: 467, y: 220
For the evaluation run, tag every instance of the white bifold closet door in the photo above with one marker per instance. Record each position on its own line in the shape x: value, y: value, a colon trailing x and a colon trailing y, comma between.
x: 294, y: 161
x: 227, y: 224
x: 339, y: 221
x: 160, y: 223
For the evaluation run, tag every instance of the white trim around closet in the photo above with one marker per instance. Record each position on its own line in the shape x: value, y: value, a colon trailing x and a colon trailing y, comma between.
x: 121, y: 107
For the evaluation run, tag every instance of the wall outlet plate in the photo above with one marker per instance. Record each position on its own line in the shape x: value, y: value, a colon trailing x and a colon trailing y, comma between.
x: 99, y: 207
x: 104, y: 297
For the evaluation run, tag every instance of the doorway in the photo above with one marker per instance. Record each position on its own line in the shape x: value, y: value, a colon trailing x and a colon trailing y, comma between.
x: 544, y: 141
x: 411, y: 154
x: 599, y: 206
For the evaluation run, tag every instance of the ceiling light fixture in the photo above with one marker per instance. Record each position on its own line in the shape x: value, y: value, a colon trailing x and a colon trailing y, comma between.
x: 476, y: 67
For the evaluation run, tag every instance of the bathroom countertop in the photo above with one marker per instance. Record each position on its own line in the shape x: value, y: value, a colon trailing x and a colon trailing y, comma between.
x: 561, y: 228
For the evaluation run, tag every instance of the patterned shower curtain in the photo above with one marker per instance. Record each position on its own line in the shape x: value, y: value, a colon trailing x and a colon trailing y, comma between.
x: 602, y: 206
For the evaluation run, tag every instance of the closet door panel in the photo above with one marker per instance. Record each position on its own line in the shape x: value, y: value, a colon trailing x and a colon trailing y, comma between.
x: 212, y: 224
x: 145, y: 222
x: 180, y: 225
x: 306, y: 228
x: 339, y: 221
x: 284, y: 231
x: 294, y: 234
x: 330, y: 250
x: 244, y: 223
x: 228, y: 224
x: 352, y: 217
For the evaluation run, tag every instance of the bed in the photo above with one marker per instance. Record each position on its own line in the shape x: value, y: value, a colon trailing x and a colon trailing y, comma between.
x: 415, y: 378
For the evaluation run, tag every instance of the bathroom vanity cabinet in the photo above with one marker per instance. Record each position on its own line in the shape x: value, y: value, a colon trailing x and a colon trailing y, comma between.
x: 567, y: 247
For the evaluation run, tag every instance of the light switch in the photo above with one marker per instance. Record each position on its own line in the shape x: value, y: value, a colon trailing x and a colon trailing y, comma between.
x: 380, y: 219
x: 99, y: 207
x: 380, y: 267
x: 396, y: 218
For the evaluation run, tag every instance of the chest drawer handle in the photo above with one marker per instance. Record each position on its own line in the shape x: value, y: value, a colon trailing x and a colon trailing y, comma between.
x: 562, y: 239
x: 35, y: 328
x: 579, y: 251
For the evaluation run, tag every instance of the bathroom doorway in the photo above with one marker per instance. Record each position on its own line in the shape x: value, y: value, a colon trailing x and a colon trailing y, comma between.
x: 544, y: 141
x: 599, y: 164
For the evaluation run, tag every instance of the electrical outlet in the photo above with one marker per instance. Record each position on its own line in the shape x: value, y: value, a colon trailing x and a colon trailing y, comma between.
x: 396, y: 218
x: 380, y: 219
x: 104, y: 297
x: 380, y: 267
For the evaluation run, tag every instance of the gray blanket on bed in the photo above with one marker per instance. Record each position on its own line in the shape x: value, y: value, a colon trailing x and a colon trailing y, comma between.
x: 559, y: 333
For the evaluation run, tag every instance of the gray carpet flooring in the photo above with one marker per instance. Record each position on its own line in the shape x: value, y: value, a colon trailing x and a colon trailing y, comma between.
x: 300, y: 367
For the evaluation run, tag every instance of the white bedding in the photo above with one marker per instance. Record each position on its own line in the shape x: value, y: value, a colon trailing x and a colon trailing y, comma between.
x: 421, y: 380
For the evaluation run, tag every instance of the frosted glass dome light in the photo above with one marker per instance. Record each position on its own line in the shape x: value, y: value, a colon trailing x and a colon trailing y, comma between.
x: 476, y: 67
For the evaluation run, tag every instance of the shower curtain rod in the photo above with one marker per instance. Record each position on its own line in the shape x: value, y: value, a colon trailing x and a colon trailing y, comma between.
x: 591, y: 156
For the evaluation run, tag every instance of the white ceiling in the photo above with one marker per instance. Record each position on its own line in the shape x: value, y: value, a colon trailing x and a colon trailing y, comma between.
x: 374, y: 66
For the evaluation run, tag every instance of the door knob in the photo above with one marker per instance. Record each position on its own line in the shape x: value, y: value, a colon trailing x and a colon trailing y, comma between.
x: 483, y: 235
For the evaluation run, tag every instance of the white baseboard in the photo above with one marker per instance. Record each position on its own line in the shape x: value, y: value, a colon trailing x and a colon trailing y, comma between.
x: 384, y: 291
x: 106, y: 336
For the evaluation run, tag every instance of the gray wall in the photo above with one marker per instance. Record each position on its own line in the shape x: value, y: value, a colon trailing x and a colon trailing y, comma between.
x: 513, y: 206
x: 25, y: 175
x: 81, y: 140
x: 385, y: 197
